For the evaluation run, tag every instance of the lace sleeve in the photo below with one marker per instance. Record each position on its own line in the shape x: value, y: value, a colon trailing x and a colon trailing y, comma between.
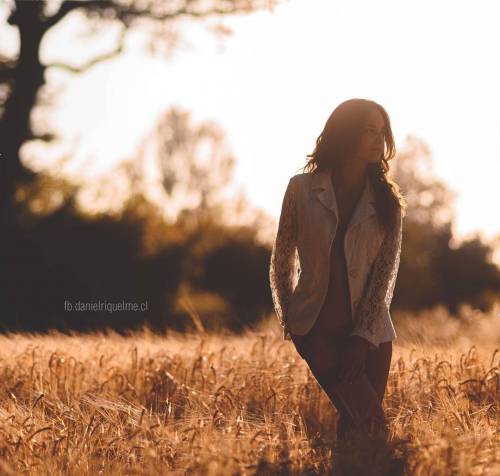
x: 380, y: 285
x: 282, y: 270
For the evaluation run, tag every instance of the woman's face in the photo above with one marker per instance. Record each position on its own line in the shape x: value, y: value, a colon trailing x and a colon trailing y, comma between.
x: 371, y: 145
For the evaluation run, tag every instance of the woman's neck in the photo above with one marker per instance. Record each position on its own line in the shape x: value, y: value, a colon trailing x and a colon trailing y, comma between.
x: 348, y: 179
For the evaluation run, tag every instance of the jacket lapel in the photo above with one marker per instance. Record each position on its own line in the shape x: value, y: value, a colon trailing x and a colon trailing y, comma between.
x: 322, y: 186
x: 325, y: 193
x: 365, y: 207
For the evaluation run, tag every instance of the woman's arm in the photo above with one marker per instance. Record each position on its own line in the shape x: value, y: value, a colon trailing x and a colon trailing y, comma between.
x: 282, y: 271
x: 380, y: 285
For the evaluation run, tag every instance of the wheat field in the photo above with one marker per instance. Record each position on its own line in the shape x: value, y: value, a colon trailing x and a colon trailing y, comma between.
x: 209, y: 403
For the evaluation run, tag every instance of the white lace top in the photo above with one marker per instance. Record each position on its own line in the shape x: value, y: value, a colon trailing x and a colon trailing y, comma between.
x: 379, y: 289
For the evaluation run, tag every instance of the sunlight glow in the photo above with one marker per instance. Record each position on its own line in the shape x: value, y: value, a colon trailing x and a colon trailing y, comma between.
x: 272, y: 85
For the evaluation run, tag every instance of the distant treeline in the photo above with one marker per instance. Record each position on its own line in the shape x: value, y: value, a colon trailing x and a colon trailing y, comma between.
x: 179, y: 276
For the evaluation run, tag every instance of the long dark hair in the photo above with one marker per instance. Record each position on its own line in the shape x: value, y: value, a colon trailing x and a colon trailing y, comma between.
x: 338, y: 141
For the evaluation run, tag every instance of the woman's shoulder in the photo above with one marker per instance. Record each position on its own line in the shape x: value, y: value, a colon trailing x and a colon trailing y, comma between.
x: 300, y: 184
x: 300, y: 177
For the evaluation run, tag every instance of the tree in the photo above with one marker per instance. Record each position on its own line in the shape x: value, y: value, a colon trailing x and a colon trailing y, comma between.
x: 432, y: 270
x: 22, y: 78
x: 195, y: 164
x: 430, y: 201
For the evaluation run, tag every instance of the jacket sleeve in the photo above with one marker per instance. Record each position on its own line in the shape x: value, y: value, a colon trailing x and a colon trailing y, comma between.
x: 282, y: 270
x: 379, y: 290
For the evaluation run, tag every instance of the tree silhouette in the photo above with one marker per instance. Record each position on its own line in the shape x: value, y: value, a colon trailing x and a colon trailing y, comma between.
x: 432, y: 270
x: 22, y: 77
x: 195, y: 163
x: 430, y: 201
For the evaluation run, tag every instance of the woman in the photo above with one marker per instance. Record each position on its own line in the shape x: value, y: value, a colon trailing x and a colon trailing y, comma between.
x: 343, y: 206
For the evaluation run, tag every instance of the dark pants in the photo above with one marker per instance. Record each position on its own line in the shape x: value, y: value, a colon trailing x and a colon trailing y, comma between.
x: 359, y: 403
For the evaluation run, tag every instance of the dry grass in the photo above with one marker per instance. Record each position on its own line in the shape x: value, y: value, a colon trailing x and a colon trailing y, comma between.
x: 212, y: 404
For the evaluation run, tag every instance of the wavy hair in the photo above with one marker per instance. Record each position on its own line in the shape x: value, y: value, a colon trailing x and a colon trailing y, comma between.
x: 339, y: 140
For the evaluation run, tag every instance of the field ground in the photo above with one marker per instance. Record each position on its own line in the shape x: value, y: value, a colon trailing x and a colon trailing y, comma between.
x: 220, y: 405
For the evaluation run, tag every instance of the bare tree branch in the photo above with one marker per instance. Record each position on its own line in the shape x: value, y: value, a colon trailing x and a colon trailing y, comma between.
x: 7, y: 61
x: 93, y: 61
x: 6, y: 74
x: 158, y: 10
x: 70, y: 5
x: 7, y: 68
x: 188, y: 9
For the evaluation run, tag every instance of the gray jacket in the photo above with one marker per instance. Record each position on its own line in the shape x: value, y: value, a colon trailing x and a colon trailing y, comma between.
x: 299, y: 267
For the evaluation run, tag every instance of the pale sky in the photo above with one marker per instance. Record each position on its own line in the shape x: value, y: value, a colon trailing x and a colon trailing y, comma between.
x: 271, y: 86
